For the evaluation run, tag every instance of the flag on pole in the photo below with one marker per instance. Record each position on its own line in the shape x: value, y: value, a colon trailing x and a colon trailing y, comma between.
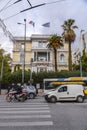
x: 46, y: 24
x: 32, y: 23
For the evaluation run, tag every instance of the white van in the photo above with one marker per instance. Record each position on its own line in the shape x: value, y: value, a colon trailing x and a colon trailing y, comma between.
x: 70, y: 92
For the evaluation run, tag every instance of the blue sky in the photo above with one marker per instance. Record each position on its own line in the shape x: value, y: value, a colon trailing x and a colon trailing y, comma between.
x: 55, y: 13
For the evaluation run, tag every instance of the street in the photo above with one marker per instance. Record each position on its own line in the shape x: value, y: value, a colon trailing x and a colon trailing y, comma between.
x: 37, y: 114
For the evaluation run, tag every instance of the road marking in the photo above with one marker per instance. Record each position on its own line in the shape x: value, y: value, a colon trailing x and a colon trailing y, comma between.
x: 12, y: 112
x: 40, y: 123
x: 24, y: 116
x: 19, y: 105
x: 29, y: 113
x: 11, y: 109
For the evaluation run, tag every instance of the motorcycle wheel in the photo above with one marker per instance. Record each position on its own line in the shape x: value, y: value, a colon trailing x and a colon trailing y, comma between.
x: 8, y: 99
x: 23, y: 98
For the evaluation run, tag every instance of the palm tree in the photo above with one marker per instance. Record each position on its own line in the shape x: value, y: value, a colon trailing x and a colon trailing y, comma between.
x: 55, y: 42
x: 69, y: 36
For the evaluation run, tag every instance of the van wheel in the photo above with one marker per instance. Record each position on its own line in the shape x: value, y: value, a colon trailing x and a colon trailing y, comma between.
x: 31, y: 96
x: 80, y: 99
x: 53, y: 99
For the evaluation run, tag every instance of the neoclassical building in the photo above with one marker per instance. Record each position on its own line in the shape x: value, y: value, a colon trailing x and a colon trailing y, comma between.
x: 35, y: 55
x: 82, y: 45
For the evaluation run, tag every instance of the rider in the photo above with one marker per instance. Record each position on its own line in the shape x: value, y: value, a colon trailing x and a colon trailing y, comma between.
x: 18, y: 88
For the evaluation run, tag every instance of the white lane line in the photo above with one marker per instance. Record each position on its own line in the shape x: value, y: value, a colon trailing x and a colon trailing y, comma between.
x: 12, y: 112
x: 11, y: 109
x: 40, y: 123
x: 25, y: 116
x: 26, y: 103
x: 19, y: 105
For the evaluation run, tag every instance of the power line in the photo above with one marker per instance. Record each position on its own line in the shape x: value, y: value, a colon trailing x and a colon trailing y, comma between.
x: 29, y: 3
x: 22, y: 11
x: 32, y: 7
x: 6, y: 7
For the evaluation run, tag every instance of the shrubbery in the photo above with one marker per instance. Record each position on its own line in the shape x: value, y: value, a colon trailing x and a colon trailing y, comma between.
x: 16, y: 77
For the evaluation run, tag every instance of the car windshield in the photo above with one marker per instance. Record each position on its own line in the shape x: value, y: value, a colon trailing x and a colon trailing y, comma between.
x: 31, y: 87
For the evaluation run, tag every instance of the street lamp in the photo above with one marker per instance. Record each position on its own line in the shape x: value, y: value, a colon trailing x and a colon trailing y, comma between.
x: 23, y: 65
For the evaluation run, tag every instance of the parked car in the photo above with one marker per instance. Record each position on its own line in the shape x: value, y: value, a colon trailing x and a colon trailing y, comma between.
x: 70, y: 92
x: 31, y: 91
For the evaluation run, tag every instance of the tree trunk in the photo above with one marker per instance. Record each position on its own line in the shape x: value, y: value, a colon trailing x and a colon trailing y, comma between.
x: 70, y: 57
x: 55, y: 58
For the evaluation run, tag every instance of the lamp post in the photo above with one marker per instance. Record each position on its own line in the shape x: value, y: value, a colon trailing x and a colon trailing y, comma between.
x: 80, y: 67
x: 2, y: 65
x: 82, y: 48
x: 23, y: 64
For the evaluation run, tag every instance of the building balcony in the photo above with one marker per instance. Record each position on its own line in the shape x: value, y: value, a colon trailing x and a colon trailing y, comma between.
x: 62, y: 63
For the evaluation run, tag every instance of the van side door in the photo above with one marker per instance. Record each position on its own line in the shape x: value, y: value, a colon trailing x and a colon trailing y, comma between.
x: 63, y: 93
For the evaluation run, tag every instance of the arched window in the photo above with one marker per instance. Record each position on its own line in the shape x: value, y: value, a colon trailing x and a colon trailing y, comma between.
x: 62, y: 58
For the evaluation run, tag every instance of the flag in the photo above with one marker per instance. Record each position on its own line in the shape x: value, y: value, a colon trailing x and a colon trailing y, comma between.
x: 32, y: 23
x: 46, y: 24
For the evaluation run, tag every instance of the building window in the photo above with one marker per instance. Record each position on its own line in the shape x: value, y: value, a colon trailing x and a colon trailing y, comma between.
x: 35, y: 56
x: 62, y: 58
x: 17, y: 47
x: 62, y: 47
x: 21, y: 57
x: 42, y: 44
x: 42, y: 56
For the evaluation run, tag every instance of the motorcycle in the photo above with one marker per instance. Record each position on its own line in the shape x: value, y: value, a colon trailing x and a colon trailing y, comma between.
x: 13, y: 95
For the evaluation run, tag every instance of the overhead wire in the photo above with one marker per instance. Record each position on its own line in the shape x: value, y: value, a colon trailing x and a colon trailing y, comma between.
x: 29, y: 3
x: 10, y: 5
x: 32, y: 8
x: 5, y: 5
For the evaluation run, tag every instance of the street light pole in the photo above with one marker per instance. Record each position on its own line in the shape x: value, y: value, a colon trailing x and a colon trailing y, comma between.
x: 81, y: 35
x: 2, y: 67
x: 23, y: 64
x: 24, y: 41
x: 80, y: 68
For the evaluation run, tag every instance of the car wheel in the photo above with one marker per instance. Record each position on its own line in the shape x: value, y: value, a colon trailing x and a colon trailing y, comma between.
x: 80, y: 99
x: 53, y: 99
x: 31, y: 96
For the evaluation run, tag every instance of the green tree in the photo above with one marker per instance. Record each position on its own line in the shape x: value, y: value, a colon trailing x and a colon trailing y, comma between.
x: 55, y: 42
x: 5, y: 63
x: 83, y: 61
x: 69, y: 37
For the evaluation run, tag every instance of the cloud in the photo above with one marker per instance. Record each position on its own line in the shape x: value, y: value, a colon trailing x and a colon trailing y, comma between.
x: 55, y: 13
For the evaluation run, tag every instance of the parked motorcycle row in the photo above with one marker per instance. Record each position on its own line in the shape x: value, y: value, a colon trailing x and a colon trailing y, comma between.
x: 21, y: 93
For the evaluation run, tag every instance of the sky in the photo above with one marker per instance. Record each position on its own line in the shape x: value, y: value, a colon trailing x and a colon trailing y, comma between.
x: 54, y: 11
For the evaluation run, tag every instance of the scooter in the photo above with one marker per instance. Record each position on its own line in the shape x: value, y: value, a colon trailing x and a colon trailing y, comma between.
x: 13, y: 95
